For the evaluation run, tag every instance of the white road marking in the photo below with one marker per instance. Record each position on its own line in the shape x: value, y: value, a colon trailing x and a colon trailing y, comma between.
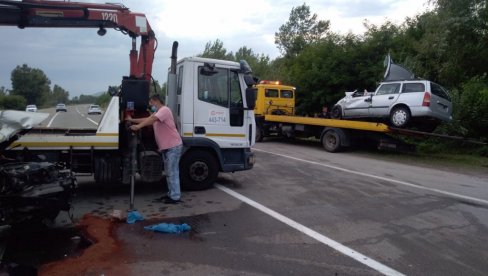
x: 52, y: 119
x: 314, y: 234
x: 468, y: 198
x: 82, y: 115
x: 92, y: 121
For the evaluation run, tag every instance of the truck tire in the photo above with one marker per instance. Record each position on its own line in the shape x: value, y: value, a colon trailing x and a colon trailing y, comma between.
x: 198, y: 170
x: 259, y: 133
x: 331, y: 140
x: 336, y: 112
x: 400, y: 116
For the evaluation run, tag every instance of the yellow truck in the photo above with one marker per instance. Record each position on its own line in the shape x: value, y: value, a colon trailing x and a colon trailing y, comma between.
x: 275, y: 115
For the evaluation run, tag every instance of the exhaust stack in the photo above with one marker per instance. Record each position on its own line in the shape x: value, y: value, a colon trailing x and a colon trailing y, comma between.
x: 171, y: 100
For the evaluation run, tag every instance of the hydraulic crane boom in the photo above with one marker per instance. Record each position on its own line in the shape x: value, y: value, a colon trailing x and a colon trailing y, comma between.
x: 60, y: 14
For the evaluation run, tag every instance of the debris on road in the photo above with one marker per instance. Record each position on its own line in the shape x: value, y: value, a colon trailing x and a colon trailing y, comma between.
x: 169, y: 228
x: 133, y: 216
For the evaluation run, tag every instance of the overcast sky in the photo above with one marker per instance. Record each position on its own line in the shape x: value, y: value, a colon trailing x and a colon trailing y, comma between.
x: 82, y: 62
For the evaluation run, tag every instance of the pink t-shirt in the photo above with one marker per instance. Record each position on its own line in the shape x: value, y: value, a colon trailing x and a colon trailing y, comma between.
x: 165, y: 131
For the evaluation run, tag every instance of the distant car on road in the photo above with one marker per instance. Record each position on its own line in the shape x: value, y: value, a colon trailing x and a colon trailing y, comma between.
x: 31, y: 108
x: 61, y: 107
x: 94, y: 109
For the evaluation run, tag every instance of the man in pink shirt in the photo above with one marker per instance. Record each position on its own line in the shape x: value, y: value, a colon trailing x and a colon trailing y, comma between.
x: 169, y: 144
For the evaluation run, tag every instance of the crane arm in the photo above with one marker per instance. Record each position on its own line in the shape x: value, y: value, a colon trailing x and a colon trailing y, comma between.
x: 61, y: 14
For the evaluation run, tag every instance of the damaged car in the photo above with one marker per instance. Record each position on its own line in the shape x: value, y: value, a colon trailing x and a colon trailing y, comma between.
x: 31, y: 190
x: 401, y: 99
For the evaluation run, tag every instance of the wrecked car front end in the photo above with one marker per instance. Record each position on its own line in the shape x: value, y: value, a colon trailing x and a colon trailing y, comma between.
x: 30, y: 191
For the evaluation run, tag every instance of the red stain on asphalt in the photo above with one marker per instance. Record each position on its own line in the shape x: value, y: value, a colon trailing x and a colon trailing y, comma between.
x: 104, y: 257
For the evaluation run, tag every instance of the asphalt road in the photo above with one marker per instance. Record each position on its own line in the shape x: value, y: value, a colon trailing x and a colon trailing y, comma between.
x: 76, y: 116
x: 303, y: 211
x: 300, y: 211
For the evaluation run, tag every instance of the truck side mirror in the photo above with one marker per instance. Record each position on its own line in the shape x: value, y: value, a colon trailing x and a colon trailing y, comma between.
x: 251, y: 97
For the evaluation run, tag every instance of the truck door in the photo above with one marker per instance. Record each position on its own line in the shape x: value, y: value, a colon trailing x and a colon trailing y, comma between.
x: 219, y: 113
x: 386, y: 95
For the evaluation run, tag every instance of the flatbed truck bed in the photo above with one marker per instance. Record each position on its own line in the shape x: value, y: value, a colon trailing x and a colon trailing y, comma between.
x: 357, y: 125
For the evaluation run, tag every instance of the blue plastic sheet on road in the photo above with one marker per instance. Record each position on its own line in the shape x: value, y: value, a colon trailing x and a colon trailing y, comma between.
x: 169, y: 228
x: 134, y: 216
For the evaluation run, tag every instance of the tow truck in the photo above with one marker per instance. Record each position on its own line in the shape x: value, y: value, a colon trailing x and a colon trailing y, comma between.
x: 212, y: 103
x: 275, y: 115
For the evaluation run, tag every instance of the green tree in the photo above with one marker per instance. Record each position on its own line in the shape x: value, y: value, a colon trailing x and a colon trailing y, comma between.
x: 473, y: 107
x: 15, y: 102
x: 103, y: 100
x: 301, y: 29
x: 260, y: 64
x: 451, y: 41
x: 74, y: 100
x: 58, y: 95
x: 157, y: 89
x: 216, y: 50
x: 86, y: 99
x: 30, y: 83
x: 3, y: 91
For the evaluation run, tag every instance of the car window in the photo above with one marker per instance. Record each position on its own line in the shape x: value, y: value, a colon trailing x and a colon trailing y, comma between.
x: 271, y: 93
x: 413, y: 87
x: 287, y: 94
x: 388, y: 88
x: 439, y: 91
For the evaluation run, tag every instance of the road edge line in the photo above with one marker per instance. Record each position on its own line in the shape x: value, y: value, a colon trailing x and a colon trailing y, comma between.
x: 313, y: 234
x: 458, y: 196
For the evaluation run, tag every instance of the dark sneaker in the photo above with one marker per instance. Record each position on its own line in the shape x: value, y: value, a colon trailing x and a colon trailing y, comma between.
x: 163, y: 198
x: 171, y: 201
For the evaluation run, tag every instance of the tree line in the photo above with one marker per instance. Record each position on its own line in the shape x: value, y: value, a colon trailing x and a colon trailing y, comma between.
x: 447, y: 45
x: 32, y: 86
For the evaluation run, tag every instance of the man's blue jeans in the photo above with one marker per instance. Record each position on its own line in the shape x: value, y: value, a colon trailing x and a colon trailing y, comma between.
x: 171, y: 159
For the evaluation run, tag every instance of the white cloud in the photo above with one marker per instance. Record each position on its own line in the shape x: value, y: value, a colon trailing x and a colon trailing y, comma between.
x: 209, y: 19
x: 349, y: 16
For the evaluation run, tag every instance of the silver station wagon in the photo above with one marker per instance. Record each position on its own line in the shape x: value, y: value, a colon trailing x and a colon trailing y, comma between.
x: 408, y: 102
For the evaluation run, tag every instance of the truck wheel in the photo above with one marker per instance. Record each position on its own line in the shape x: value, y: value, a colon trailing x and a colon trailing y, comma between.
x: 336, y: 112
x: 331, y: 141
x: 400, y: 116
x: 259, y: 134
x: 198, y: 170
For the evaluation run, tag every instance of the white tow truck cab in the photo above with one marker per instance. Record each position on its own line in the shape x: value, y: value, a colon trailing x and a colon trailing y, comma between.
x: 213, y: 106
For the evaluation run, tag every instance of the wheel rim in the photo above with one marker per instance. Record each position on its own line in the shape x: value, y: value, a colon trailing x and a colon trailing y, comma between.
x: 199, y: 171
x: 330, y: 141
x: 399, y: 117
